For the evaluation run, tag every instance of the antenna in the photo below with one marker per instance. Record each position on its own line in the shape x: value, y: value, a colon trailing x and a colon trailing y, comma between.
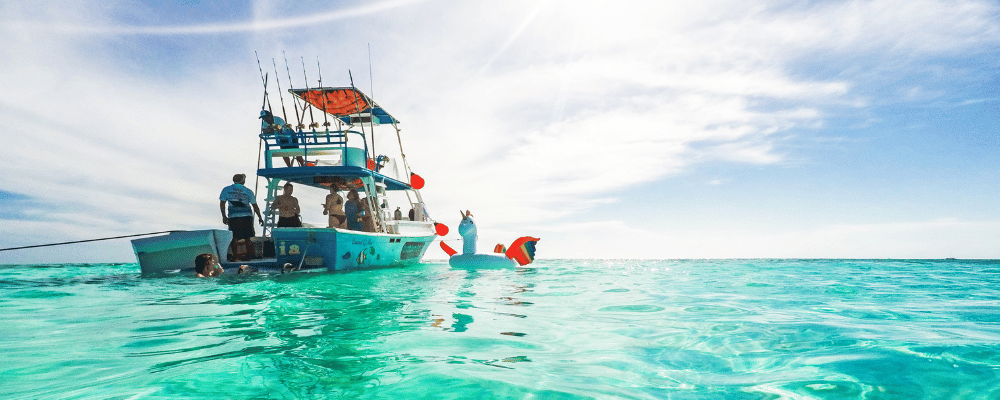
x: 357, y: 109
x: 371, y: 107
x: 371, y: 80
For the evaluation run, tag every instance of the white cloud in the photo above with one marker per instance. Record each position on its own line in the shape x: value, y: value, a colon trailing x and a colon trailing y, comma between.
x: 535, y: 111
x: 261, y: 24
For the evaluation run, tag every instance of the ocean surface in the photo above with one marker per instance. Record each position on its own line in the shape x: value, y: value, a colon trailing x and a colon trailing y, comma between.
x: 561, y: 329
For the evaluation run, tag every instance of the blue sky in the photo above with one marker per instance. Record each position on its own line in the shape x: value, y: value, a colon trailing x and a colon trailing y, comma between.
x: 646, y: 129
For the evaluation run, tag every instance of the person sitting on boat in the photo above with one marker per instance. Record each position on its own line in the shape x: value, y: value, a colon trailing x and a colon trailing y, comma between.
x: 288, y: 209
x: 353, y: 210
x: 398, y: 215
x: 240, y: 216
x: 283, y: 132
x: 206, y: 266
x: 334, y: 207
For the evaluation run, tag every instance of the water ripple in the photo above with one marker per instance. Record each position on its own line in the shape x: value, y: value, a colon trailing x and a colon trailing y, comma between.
x: 638, y: 329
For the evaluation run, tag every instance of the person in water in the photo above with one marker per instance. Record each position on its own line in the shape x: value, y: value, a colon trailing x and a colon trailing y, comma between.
x: 288, y: 209
x: 242, y: 207
x: 206, y: 266
x: 334, y: 207
x: 283, y: 132
x: 353, y: 210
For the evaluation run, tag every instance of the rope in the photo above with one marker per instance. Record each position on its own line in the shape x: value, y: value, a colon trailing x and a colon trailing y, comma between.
x: 88, y: 240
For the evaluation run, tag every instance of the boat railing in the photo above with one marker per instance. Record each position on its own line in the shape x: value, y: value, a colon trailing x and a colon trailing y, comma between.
x: 316, y: 147
x: 404, y: 227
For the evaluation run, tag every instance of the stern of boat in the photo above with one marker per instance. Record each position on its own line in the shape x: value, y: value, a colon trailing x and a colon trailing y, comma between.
x: 341, y: 250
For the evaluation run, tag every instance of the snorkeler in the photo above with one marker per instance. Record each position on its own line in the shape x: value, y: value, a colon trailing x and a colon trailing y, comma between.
x: 207, y: 266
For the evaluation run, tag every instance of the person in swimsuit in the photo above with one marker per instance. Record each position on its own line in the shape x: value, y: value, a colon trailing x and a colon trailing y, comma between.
x: 288, y: 209
x: 334, y: 207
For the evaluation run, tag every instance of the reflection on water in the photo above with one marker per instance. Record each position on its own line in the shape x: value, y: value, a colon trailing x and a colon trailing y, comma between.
x: 756, y: 329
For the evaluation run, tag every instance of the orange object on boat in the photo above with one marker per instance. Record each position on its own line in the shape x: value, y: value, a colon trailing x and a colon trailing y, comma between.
x: 441, y: 229
x: 416, y: 181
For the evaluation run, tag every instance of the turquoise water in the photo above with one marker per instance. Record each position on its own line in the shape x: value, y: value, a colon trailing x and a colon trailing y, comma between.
x: 732, y: 329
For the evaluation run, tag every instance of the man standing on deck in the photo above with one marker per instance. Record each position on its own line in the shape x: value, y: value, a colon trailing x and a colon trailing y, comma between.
x: 288, y: 209
x: 240, y: 199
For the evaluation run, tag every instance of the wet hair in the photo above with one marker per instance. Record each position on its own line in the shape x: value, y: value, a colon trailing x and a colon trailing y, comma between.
x: 203, y: 260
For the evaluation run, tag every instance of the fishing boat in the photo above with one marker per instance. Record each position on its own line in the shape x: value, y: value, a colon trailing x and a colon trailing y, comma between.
x: 343, y: 157
x: 339, y: 153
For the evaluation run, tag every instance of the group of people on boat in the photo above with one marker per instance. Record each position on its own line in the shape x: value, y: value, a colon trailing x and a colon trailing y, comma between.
x: 354, y: 214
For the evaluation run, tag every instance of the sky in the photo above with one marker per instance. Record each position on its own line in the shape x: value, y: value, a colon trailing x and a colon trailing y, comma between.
x: 626, y: 129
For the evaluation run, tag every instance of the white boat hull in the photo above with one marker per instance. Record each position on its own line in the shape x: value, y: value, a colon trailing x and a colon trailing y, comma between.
x: 176, y: 251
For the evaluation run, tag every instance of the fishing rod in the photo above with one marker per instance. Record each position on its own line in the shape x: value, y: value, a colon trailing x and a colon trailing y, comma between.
x: 263, y: 79
x: 295, y: 104
x: 313, y: 123
x: 326, y: 122
x: 278, y: 80
x: 88, y: 240
x: 260, y: 142
x: 267, y: 102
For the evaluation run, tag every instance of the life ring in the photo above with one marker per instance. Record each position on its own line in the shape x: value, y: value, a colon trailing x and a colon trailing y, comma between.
x: 481, y: 261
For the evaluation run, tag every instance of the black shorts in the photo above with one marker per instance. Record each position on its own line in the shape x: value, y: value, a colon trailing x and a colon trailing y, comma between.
x: 242, y: 227
x: 289, y: 222
x: 288, y: 143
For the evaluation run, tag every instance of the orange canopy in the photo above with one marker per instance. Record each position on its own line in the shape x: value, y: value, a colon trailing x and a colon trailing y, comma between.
x: 347, y: 103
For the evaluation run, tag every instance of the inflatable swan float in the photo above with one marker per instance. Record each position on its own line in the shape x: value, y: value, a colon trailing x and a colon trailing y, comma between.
x: 521, y: 252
